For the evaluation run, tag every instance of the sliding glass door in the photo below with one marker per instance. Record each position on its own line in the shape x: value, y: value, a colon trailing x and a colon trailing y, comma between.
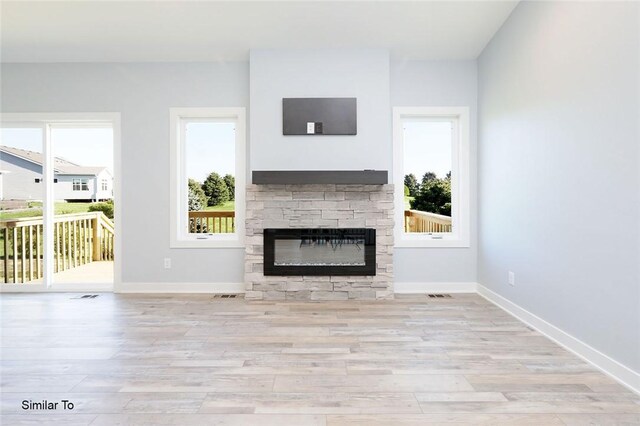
x: 83, y: 228
x: 57, y: 217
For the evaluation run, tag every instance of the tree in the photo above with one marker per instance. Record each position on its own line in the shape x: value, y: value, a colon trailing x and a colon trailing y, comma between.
x: 215, y: 189
x: 411, y: 182
x: 230, y: 181
x: 197, y: 197
x: 429, y: 176
x: 434, y: 197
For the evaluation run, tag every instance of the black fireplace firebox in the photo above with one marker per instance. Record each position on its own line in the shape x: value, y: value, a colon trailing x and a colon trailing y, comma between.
x: 320, y: 251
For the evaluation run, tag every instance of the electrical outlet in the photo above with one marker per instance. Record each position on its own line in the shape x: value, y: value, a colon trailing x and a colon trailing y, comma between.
x: 167, y: 263
x: 512, y: 279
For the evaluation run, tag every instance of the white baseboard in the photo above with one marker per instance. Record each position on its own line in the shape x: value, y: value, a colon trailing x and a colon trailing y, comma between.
x: 435, y: 287
x: 213, y: 288
x: 56, y: 288
x: 619, y: 372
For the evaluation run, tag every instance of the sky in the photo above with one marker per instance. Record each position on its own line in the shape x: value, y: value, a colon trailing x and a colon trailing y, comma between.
x: 210, y: 147
x: 427, y: 148
x: 83, y: 146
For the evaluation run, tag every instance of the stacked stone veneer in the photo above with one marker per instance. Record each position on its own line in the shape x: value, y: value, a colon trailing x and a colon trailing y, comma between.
x: 319, y: 206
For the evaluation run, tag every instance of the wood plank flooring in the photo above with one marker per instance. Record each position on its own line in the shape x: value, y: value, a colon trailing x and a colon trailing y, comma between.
x: 193, y: 359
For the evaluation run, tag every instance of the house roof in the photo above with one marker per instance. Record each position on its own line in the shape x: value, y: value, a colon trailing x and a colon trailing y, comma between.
x: 61, y: 166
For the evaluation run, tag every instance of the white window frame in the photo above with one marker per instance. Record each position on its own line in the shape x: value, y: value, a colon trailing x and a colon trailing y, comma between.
x: 83, y: 184
x: 180, y: 237
x: 460, y: 185
x: 104, y: 185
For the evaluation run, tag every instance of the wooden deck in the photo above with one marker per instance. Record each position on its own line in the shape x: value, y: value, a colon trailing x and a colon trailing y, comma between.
x: 94, y: 272
x: 197, y: 360
x: 90, y: 273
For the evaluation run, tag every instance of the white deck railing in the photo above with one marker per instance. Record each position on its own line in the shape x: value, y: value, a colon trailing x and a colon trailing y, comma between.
x: 78, y: 239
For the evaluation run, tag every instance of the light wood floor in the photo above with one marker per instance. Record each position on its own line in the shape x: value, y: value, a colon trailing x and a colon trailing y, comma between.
x: 187, y: 359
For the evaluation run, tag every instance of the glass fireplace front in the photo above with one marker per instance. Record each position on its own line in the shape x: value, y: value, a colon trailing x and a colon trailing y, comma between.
x: 319, y: 251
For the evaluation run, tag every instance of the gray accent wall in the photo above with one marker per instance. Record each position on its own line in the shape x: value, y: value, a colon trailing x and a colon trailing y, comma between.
x: 559, y: 169
x: 431, y: 83
x: 304, y: 73
x: 143, y: 94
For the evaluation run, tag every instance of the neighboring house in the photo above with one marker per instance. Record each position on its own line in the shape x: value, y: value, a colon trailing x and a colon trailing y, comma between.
x: 21, y: 178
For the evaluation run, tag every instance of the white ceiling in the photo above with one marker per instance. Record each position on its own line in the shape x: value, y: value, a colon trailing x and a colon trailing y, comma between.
x: 154, y: 31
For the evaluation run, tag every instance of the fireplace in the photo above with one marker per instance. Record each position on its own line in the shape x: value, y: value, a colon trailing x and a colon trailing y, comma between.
x: 320, y: 251
x: 276, y: 217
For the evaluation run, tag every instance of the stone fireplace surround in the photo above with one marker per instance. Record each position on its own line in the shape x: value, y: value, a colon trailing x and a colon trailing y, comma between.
x: 321, y: 206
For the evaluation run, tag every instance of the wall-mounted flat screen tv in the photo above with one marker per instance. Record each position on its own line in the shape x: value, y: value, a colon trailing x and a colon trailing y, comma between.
x: 319, y: 116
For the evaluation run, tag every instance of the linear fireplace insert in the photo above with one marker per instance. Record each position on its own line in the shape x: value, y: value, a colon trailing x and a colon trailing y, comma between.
x: 320, y: 251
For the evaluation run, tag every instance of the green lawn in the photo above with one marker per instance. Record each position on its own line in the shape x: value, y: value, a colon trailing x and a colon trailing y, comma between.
x: 229, y: 206
x: 35, y: 209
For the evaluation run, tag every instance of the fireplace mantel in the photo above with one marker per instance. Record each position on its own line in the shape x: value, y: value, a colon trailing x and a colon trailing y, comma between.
x: 338, y: 177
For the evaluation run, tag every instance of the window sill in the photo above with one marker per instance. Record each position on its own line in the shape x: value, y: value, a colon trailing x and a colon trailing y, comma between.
x: 208, y: 243
x: 431, y: 243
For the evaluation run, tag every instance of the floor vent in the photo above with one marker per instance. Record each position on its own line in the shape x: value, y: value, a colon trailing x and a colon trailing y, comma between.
x: 439, y: 296
x: 225, y: 296
x: 86, y: 296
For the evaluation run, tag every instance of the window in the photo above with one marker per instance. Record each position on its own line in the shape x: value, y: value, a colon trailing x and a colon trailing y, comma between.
x: 431, y: 176
x: 80, y: 184
x: 207, y: 177
x: 104, y: 185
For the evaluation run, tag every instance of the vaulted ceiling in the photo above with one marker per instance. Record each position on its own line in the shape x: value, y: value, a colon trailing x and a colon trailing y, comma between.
x: 167, y: 31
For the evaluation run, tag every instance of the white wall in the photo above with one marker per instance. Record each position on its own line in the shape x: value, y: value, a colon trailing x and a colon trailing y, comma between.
x: 427, y: 83
x: 284, y: 73
x: 143, y: 94
x: 559, y: 169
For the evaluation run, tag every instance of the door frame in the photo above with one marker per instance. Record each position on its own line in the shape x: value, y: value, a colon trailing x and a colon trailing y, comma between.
x: 45, y: 121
